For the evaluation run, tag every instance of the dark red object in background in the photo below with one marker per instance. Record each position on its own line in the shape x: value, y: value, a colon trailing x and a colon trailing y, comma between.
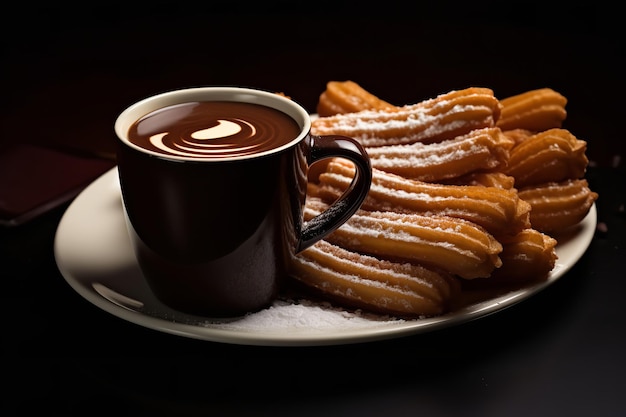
x: 34, y: 179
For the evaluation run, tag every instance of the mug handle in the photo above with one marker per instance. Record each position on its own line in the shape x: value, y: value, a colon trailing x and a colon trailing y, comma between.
x: 332, y: 146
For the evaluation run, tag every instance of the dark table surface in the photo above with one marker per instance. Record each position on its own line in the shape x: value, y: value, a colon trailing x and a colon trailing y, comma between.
x: 65, y: 78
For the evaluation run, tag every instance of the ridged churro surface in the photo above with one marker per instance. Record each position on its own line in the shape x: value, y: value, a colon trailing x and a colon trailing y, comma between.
x: 498, y: 210
x: 444, y: 117
x: 558, y: 205
x: 480, y: 149
x: 528, y: 256
x: 455, y: 245
x: 348, y: 97
x: 550, y: 156
x: 364, y: 281
x: 534, y: 110
x: 469, y: 192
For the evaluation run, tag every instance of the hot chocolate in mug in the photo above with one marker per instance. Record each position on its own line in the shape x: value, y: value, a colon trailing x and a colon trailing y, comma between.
x: 213, y: 183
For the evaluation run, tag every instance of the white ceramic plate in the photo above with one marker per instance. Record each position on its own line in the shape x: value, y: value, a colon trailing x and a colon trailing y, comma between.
x: 94, y: 255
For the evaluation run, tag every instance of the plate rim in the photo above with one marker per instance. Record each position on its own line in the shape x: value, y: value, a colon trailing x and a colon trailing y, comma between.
x: 386, y: 330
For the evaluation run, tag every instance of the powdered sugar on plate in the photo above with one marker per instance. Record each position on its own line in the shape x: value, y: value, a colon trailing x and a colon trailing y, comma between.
x: 304, y: 315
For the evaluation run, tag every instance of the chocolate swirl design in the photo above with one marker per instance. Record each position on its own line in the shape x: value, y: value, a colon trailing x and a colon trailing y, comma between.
x: 214, y: 130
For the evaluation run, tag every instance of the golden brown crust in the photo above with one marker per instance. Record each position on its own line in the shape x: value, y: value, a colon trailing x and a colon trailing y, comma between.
x: 558, y: 205
x: 348, y: 97
x: 480, y: 149
x: 425, y: 210
x: 485, y: 179
x: 518, y: 135
x: 498, y: 210
x: 529, y: 255
x: 550, y: 156
x: 526, y: 257
x: 443, y: 117
x: 454, y: 245
x: 364, y: 281
x: 534, y: 110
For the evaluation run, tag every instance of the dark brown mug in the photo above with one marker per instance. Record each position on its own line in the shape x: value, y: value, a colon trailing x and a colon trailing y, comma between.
x: 214, y: 183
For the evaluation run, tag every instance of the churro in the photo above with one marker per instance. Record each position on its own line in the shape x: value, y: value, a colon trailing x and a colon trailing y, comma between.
x: 454, y: 245
x: 498, y: 210
x: 534, y: 110
x: 443, y: 117
x: 550, y: 156
x: 558, y: 205
x: 480, y: 149
x: 518, y: 135
x: 467, y: 191
x: 363, y: 281
x: 485, y: 179
x: 528, y: 256
x: 348, y: 97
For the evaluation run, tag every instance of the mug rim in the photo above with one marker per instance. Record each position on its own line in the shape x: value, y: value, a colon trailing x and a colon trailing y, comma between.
x: 218, y: 93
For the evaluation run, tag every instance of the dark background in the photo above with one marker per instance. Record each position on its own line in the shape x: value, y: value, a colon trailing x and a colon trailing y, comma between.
x: 67, y: 71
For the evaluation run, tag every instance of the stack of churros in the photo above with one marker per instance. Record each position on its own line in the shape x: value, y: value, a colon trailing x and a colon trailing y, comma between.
x: 467, y: 192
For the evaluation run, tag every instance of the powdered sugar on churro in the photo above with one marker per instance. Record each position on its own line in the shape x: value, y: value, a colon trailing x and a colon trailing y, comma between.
x: 410, y: 155
x: 444, y: 117
x: 495, y: 209
x: 480, y: 149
